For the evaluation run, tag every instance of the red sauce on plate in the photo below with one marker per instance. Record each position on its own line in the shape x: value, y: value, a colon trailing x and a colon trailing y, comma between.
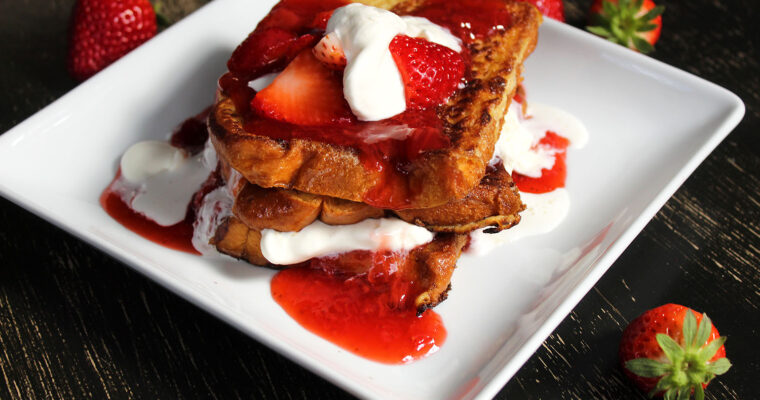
x: 178, y: 236
x: 366, y: 310
x: 366, y: 314
x: 550, y: 179
x: 190, y: 136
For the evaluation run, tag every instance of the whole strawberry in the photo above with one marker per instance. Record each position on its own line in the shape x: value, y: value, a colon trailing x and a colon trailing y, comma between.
x: 635, y: 24
x: 550, y: 8
x: 672, y: 351
x: 104, y: 30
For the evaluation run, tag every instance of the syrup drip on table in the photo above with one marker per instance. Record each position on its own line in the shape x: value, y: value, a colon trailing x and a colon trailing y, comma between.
x: 366, y: 314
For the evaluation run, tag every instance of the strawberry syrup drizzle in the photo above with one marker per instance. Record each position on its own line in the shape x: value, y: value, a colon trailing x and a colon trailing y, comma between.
x: 190, y: 136
x: 550, y: 179
x: 178, y: 236
x: 367, y: 314
x: 469, y: 20
x: 390, y: 157
x: 294, y: 25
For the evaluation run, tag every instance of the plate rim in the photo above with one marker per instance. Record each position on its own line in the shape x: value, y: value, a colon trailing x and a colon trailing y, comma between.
x: 734, y: 114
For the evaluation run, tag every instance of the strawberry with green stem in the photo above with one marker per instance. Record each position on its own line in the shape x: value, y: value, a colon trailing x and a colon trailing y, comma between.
x: 673, y: 351
x: 635, y: 24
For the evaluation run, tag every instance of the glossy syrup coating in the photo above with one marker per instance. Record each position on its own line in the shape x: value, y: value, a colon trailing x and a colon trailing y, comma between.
x: 446, y: 149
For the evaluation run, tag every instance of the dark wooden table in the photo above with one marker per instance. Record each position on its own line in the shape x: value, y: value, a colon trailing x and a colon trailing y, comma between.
x: 75, y: 323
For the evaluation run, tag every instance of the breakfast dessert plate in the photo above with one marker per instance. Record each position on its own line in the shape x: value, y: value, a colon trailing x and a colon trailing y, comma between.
x: 650, y: 126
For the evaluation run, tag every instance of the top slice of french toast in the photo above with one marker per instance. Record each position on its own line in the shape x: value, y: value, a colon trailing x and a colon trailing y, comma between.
x: 470, y: 121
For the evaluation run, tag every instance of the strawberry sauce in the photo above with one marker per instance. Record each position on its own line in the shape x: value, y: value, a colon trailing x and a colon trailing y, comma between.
x: 366, y: 314
x: 550, y: 179
x: 190, y: 136
x: 295, y: 25
x: 178, y: 236
x: 469, y: 20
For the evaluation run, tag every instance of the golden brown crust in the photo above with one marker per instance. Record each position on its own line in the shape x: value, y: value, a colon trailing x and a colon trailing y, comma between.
x: 234, y: 238
x: 494, y: 202
x: 345, y: 212
x: 283, y: 210
x: 432, y: 266
x: 429, y: 266
x: 472, y: 121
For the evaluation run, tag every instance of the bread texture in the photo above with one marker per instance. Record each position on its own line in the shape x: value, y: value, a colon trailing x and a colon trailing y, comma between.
x: 494, y: 203
x: 472, y: 120
x: 430, y: 266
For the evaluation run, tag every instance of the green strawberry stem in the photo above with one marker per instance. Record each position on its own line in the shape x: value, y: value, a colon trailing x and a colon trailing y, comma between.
x: 688, y: 366
x: 161, y: 20
x: 621, y: 24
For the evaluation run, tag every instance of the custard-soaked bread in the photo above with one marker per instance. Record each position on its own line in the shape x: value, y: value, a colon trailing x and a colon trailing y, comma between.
x: 495, y: 203
x: 471, y: 120
x: 429, y: 266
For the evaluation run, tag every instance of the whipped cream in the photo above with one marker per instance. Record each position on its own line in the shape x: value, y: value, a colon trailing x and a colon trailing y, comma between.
x: 517, y: 145
x: 543, y: 213
x: 215, y: 207
x: 372, y: 84
x: 159, y: 180
x: 518, y: 151
x: 319, y: 239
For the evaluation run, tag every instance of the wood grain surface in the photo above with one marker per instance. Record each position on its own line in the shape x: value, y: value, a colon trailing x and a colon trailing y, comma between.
x: 75, y: 323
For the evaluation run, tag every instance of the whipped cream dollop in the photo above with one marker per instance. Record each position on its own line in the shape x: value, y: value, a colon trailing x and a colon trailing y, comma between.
x: 215, y: 207
x: 518, y: 151
x: 159, y: 180
x: 517, y: 145
x: 372, y: 84
x: 543, y: 213
x: 319, y: 239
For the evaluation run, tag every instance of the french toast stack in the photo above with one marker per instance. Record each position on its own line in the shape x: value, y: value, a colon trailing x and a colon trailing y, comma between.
x: 288, y: 184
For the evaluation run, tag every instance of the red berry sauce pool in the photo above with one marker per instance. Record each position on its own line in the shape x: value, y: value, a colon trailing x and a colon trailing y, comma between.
x: 190, y: 136
x: 366, y: 314
x: 358, y: 314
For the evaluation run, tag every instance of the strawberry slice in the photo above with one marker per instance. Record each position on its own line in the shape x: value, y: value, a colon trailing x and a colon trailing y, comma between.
x: 330, y: 52
x: 431, y: 72
x: 305, y: 93
x: 264, y: 50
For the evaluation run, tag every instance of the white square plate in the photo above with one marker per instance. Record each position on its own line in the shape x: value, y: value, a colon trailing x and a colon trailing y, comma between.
x: 650, y: 125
